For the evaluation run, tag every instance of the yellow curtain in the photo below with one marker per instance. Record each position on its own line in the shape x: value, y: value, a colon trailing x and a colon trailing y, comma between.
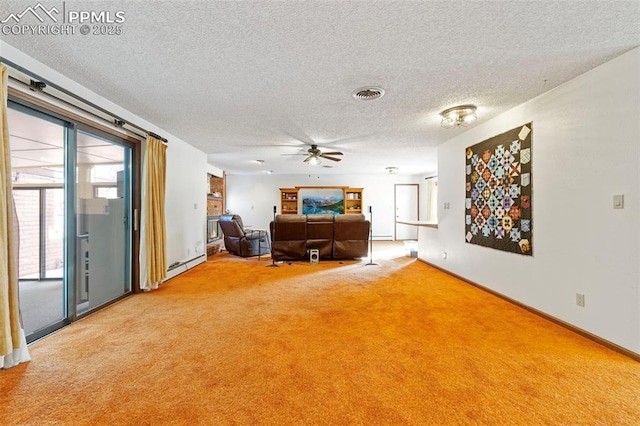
x: 153, y: 258
x: 13, y: 345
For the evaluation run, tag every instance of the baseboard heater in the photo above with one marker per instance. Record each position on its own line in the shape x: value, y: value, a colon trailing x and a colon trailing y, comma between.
x: 177, y: 268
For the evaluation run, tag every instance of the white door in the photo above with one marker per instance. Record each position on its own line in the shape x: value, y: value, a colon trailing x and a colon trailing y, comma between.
x: 406, y: 209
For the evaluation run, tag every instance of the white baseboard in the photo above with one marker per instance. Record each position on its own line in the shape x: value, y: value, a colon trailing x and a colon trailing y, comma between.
x: 184, y: 266
x: 382, y: 238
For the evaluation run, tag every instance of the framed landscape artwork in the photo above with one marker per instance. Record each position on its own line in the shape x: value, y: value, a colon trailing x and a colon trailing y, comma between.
x: 498, y: 201
x: 322, y: 200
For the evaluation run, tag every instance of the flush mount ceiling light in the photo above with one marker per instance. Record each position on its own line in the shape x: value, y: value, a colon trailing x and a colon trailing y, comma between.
x: 461, y: 115
x: 368, y: 93
x: 392, y: 170
x: 258, y: 161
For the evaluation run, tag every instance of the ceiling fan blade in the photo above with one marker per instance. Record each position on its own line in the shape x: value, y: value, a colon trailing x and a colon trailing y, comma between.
x: 300, y: 153
x: 332, y: 153
x: 329, y: 158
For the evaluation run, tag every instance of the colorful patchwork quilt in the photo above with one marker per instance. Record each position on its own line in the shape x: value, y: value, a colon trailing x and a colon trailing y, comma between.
x: 498, y: 202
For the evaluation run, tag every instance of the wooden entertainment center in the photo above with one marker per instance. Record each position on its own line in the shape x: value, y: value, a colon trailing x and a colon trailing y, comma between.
x: 290, y: 198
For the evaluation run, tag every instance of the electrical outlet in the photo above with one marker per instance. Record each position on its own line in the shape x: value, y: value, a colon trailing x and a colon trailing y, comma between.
x: 580, y: 299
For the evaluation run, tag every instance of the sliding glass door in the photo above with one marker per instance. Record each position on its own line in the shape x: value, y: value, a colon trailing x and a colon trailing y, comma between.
x: 103, y: 212
x: 37, y: 156
x: 73, y: 193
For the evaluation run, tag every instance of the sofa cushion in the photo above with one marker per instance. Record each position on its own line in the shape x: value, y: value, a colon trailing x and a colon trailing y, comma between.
x: 349, y: 218
x: 350, y: 236
x: 320, y: 234
x: 289, y: 237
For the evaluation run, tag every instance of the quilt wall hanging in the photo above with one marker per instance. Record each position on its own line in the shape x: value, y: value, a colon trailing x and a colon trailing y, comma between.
x: 498, y: 202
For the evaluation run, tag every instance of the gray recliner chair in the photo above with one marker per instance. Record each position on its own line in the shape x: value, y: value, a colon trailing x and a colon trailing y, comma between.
x: 240, y: 241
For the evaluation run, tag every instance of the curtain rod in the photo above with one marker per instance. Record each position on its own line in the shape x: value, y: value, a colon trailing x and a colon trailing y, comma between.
x: 36, y: 88
x: 38, y: 85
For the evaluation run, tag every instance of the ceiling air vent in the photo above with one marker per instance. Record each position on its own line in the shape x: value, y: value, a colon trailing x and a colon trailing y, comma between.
x: 368, y: 93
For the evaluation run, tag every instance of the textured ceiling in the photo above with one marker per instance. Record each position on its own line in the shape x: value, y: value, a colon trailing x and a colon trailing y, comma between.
x: 254, y: 80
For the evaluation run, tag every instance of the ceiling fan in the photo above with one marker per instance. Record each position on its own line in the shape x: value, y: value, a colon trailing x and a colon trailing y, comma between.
x: 314, y: 155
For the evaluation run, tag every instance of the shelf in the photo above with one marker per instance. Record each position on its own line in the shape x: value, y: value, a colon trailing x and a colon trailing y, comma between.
x: 352, y: 200
x: 289, y: 200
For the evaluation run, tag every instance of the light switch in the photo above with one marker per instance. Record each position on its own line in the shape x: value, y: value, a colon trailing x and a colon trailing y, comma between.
x: 618, y: 201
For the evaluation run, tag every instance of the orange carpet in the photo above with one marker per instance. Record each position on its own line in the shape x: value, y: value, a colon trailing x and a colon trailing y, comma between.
x: 234, y: 342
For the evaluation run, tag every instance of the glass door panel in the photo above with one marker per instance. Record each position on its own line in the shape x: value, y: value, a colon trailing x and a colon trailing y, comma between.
x: 103, y: 230
x: 37, y: 156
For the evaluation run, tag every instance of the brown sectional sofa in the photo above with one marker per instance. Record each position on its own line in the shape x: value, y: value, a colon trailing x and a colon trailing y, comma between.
x: 343, y: 236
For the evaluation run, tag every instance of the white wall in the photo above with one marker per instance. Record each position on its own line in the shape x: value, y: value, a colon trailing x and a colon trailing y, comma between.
x: 186, y: 166
x: 253, y: 197
x: 585, y: 149
x: 186, y: 201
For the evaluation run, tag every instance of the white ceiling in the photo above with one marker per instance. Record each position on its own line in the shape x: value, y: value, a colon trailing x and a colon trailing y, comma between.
x: 256, y: 79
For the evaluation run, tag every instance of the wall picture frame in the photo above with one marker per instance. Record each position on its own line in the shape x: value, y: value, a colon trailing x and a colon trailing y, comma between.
x: 322, y: 200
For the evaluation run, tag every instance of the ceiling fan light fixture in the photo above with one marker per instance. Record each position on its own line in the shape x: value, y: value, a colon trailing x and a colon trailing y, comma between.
x: 368, y: 93
x: 314, y: 161
x: 461, y: 115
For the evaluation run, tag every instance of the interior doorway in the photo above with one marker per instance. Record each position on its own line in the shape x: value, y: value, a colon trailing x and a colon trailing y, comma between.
x: 406, y: 209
